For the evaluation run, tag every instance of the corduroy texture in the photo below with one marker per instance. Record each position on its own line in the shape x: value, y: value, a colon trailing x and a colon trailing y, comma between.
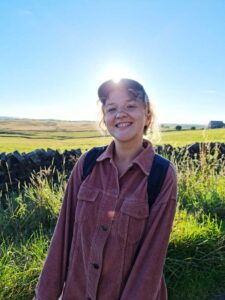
x: 102, y: 222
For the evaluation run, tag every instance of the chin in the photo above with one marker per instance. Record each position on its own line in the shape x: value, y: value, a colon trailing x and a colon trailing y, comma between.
x: 124, y: 139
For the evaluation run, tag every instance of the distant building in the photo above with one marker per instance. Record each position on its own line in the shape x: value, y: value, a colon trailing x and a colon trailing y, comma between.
x: 216, y: 124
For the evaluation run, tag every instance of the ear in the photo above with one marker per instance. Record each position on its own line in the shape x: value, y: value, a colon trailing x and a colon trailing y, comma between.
x: 148, y: 118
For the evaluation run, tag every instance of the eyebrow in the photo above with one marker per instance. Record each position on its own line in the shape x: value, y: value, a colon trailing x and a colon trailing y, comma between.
x: 128, y: 100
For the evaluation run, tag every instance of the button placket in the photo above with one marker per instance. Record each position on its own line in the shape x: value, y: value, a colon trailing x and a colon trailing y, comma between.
x: 96, y: 252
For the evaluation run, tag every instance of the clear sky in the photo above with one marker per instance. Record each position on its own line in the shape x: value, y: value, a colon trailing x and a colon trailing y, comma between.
x: 54, y: 54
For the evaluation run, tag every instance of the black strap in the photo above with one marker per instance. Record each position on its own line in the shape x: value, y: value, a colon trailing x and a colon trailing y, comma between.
x: 90, y: 160
x: 156, y: 177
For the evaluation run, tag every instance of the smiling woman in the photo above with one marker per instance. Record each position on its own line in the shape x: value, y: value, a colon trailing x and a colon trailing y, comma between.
x: 112, y: 234
x: 125, y: 115
x: 133, y: 98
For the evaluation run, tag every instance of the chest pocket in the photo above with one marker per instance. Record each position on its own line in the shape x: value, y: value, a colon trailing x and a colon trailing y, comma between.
x: 132, y: 220
x: 87, y: 204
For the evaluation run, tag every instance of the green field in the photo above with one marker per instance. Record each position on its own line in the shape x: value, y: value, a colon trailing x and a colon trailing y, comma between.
x: 28, y: 141
x: 26, y: 136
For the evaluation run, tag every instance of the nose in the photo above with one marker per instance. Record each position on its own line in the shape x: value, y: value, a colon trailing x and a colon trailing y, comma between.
x: 120, y: 113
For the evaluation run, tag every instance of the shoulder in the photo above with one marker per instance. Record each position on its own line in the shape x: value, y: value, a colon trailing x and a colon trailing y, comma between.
x: 86, y: 159
x: 171, y: 181
x: 163, y: 165
x: 169, y: 188
x: 171, y: 173
x: 77, y: 170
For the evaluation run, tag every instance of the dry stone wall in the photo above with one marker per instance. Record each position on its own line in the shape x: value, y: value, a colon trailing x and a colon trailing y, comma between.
x: 17, y: 168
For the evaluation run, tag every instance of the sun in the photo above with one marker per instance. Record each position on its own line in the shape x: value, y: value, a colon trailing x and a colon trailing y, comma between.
x: 116, y: 71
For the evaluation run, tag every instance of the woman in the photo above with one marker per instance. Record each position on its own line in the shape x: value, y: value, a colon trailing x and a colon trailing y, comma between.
x: 107, y: 245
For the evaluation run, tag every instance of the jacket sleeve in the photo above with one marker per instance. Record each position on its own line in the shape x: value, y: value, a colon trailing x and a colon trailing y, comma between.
x: 145, y: 277
x: 53, y: 275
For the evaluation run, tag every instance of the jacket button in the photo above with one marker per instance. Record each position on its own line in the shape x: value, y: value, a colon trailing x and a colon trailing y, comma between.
x: 96, y: 266
x: 104, y: 227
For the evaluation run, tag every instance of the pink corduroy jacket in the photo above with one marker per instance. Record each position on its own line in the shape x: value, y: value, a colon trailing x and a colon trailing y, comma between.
x: 103, y: 220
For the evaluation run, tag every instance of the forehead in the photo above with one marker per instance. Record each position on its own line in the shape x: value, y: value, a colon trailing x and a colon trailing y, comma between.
x: 119, y: 95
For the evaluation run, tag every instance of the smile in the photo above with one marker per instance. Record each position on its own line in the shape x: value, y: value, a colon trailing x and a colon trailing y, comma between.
x: 124, y: 124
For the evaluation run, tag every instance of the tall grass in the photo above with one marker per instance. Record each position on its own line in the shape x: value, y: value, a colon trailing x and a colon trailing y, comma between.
x: 20, y: 266
x: 37, y: 205
x: 195, y: 264
x: 201, y: 181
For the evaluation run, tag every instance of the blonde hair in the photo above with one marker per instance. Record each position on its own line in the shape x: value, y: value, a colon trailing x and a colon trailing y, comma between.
x: 152, y: 132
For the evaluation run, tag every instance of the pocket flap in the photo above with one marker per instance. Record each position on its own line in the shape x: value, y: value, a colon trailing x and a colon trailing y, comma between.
x: 87, y: 193
x: 136, y: 210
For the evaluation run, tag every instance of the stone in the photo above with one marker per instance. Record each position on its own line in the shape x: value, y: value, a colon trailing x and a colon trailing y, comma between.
x: 21, y: 166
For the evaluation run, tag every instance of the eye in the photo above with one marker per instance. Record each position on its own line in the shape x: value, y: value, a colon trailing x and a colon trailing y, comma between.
x: 111, y: 109
x: 131, y: 106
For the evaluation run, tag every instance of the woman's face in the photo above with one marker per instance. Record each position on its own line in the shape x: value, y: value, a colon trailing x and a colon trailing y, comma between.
x: 125, y: 117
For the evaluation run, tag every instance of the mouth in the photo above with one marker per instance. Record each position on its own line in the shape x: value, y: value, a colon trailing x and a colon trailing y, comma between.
x: 123, y: 124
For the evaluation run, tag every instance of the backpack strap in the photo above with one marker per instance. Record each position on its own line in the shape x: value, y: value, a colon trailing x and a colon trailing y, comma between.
x: 156, y: 177
x: 90, y: 160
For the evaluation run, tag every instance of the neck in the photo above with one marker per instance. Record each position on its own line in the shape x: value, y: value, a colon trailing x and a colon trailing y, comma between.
x: 126, y: 152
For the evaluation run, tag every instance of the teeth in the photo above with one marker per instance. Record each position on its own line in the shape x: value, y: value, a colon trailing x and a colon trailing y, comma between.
x: 123, y: 124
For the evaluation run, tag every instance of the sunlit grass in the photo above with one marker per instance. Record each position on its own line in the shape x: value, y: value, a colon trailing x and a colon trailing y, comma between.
x: 26, y: 145
x: 195, y: 264
x: 26, y: 141
x: 185, y: 137
x: 20, y: 266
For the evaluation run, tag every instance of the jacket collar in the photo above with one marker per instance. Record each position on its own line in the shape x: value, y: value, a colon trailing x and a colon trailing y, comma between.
x: 143, y: 159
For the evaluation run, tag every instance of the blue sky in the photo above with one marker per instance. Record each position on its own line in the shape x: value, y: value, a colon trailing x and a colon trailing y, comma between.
x: 55, y: 54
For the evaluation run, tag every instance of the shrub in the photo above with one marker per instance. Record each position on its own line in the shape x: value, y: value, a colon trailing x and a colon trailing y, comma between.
x: 178, y: 127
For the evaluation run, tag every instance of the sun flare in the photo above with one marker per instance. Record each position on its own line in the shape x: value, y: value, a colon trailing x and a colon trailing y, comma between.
x: 116, y: 71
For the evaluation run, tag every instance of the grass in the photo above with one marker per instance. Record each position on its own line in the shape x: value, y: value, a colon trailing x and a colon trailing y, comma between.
x: 26, y: 145
x: 46, y: 125
x: 20, y: 266
x: 195, y: 264
x: 38, y: 204
x: 202, y: 184
x: 28, y: 135
x: 184, y: 137
x: 26, y: 141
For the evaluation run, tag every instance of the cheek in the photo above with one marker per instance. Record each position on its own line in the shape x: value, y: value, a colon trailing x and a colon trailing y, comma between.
x: 107, y: 121
x: 142, y: 118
